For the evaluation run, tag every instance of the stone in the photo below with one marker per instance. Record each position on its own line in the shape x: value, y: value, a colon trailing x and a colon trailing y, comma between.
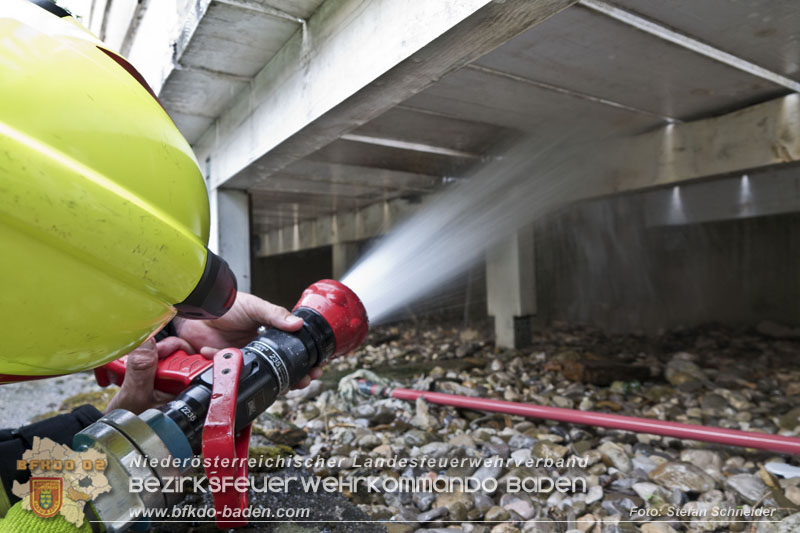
x: 792, y: 493
x: 496, y: 514
x: 657, y: 527
x: 790, y: 420
x: 392, y: 527
x: 710, y: 462
x: 482, y: 502
x: 681, y: 370
x: 375, y: 413
x: 594, y: 494
x: 472, y: 527
x: 541, y: 525
x: 790, y: 524
x: 586, y: 522
x: 647, y: 490
x: 447, y: 499
x: 682, y: 476
x: 423, y: 500
x: 504, y: 528
x: 548, y: 450
x: 614, y: 455
x: 561, y: 401
x: 748, y: 486
x: 713, y: 402
x: 435, y: 450
x: 523, y: 508
x: 433, y: 514
x: 457, y: 512
x: 520, y: 457
x: 422, y: 418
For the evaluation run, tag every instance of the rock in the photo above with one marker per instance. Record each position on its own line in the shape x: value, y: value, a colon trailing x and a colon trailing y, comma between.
x: 422, y: 418
x: 710, y: 462
x: 792, y: 493
x: 657, y: 527
x: 313, y: 390
x: 681, y: 370
x: 424, y: 500
x: 749, y: 487
x: 790, y: 420
x: 447, y: 499
x: 682, y: 476
x: 384, y: 450
x: 415, y: 437
x: 713, y: 402
x: 433, y: 514
x: 774, y: 330
x: 520, y: 457
x: 586, y: 522
x: 504, y: 528
x: 369, y: 441
x: 701, y: 516
x: 392, y: 527
x: 472, y: 527
x: 647, y: 490
x: 489, y: 471
x: 463, y: 441
x: 482, y: 502
x: 542, y: 525
x: 614, y: 455
x: 496, y: 514
x: 435, y: 449
x: 594, y: 494
x: 458, y: 512
x: 548, y: 450
x: 645, y: 464
x: 376, y: 414
x: 790, y: 524
x: 561, y: 401
x: 523, y: 508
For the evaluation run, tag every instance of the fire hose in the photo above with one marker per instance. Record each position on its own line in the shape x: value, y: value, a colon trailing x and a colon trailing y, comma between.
x: 729, y: 437
x: 215, y: 405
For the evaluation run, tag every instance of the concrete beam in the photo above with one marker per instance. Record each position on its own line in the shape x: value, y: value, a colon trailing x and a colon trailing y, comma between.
x: 356, y: 225
x: 755, y: 137
x: 761, y: 136
x: 230, y: 231
x: 351, y: 62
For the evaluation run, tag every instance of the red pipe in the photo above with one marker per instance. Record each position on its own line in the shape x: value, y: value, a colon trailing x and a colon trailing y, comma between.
x: 730, y: 437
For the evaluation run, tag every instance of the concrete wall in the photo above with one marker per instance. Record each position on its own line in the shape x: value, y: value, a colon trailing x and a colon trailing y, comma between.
x: 599, y: 263
x: 281, y: 278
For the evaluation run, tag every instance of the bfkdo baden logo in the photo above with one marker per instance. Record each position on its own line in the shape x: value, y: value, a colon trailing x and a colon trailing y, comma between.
x: 62, y: 480
x: 46, y: 495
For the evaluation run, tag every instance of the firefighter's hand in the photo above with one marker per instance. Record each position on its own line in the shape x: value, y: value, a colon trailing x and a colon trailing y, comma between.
x: 137, y: 393
x: 239, y: 326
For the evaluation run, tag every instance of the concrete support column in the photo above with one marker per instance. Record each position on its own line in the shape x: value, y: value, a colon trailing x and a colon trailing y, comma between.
x: 345, y: 254
x: 511, y: 288
x: 230, y: 231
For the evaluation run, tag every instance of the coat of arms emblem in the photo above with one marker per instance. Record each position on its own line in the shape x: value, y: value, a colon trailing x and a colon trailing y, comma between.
x: 46, y: 495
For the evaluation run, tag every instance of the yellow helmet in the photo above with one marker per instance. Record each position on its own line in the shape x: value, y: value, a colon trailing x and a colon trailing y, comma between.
x: 103, y: 209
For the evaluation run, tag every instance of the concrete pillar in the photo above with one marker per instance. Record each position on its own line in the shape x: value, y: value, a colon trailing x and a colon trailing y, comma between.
x: 345, y: 255
x: 230, y: 231
x: 511, y: 288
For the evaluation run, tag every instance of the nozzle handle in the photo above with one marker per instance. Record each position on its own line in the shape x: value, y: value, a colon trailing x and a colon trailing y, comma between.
x: 175, y: 372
